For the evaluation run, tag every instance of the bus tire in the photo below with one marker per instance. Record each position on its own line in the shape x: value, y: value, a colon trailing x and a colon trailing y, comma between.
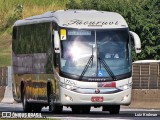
x: 52, y: 106
x: 51, y: 101
x: 26, y: 105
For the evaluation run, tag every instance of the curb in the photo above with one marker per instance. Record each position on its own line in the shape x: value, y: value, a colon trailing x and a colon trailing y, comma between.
x: 8, y: 98
x: 8, y: 95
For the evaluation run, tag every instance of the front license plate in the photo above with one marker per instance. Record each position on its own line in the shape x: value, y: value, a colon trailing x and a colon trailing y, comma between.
x: 97, y: 99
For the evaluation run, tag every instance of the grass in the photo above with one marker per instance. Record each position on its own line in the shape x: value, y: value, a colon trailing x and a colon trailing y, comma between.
x: 29, y: 8
x: 5, y: 49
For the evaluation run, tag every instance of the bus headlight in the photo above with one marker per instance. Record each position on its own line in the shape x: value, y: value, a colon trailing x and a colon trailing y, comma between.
x: 125, y: 87
x: 68, y: 87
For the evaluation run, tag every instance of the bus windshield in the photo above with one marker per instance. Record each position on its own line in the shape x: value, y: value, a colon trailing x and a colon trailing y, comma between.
x: 95, y: 53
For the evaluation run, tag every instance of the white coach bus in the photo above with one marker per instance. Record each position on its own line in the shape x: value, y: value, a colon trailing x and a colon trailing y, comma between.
x: 74, y: 58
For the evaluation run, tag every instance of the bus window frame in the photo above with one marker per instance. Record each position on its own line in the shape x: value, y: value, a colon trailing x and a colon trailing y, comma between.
x: 14, y: 34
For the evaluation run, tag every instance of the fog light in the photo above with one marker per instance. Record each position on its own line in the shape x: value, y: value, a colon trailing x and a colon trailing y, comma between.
x: 125, y: 97
x: 68, y: 98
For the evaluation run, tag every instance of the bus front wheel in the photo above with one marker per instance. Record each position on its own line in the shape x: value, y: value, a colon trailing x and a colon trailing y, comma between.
x: 26, y: 105
x: 51, y: 101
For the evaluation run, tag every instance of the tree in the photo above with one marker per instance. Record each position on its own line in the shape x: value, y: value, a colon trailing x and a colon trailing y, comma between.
x: 143, y: 17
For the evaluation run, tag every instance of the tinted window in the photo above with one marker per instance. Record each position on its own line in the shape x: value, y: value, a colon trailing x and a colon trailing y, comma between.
x: 32, y: 49
x: 32, y: 39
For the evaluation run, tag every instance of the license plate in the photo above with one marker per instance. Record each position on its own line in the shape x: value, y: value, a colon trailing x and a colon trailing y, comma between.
x: 97, y: 99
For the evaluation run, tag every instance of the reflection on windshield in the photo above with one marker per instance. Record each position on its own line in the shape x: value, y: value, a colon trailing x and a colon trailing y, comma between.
x: 76, y: 46
x: 79, y: 45
x: 76, y: 51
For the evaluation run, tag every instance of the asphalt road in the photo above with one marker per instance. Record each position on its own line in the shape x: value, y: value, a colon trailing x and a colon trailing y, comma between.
x: 95, y: 114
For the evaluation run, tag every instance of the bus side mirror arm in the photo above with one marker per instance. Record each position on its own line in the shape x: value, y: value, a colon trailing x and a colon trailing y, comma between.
x: 56, y: 42
x: 137, y: 41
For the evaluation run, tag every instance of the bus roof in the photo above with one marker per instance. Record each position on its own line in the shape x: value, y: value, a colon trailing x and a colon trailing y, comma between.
x: 78, y: 19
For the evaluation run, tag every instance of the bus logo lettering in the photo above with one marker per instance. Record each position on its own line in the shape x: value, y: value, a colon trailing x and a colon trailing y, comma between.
x: 90, y: 23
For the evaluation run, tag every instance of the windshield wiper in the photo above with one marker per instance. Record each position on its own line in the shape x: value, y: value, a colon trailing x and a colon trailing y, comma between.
x: 87, y: 65
x: 101, y: 61
x: 107, y: 68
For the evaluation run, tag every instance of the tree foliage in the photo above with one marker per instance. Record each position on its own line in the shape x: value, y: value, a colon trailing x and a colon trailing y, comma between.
x: 142, y: 16
x: 17, y: 14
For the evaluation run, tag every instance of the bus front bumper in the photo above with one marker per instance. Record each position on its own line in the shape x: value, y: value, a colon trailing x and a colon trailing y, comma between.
x: 68, y: 97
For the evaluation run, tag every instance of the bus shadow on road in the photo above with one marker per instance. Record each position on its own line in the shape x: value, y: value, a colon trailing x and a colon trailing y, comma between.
x: 92, y: 114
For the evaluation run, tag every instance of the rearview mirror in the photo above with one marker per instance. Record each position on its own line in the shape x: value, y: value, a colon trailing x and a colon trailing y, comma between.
x: 137, y: 41
x: 56, y: 42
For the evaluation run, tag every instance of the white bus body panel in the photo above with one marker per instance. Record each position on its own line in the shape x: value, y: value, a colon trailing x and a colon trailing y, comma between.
x: 80, y: 19
x: 85, y: 99
x: 68, y: 97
